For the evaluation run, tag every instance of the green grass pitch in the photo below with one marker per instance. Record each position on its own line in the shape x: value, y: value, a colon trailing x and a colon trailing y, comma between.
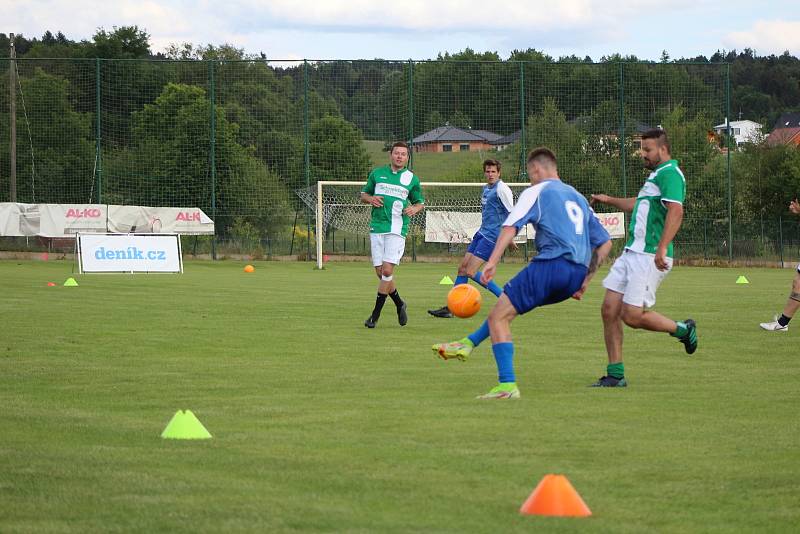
x: 322, y: 425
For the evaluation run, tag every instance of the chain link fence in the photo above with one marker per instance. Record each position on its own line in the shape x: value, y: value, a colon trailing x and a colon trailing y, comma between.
x: 239, y: 138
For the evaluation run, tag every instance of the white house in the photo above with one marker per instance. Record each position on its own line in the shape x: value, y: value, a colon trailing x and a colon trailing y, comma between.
x: 742, y: 131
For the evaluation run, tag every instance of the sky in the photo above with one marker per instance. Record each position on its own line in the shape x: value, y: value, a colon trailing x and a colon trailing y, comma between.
x: 421, y: 29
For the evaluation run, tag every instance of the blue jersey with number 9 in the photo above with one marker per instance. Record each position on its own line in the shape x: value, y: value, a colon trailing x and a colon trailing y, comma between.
x: 565, y: 225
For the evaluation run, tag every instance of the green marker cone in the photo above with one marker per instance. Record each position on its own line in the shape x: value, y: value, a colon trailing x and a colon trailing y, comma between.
x: 70, y: 282
x: 446, y: 281
x: 184, y: 425
x: 742, y: 280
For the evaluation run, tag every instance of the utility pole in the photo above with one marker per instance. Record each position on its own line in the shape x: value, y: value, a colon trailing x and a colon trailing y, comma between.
x: 12, y: 89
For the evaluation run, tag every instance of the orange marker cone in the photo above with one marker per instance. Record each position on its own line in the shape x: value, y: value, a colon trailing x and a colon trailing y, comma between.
x: 555, y: 496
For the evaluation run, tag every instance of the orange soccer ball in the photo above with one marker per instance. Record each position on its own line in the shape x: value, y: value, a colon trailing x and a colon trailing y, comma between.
x: 249, y: 268
x: 464, y: 301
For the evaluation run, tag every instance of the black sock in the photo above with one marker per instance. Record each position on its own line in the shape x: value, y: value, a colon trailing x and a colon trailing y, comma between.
x: 378, y: 306
x: 783, y: 320
x: 396, y: 298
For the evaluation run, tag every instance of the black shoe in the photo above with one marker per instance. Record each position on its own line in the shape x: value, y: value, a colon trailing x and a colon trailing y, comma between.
x: 402, y: 314
x: 690, y: 339
x: 370, y: 322
x: 609, y: 382
x: 443, y: 312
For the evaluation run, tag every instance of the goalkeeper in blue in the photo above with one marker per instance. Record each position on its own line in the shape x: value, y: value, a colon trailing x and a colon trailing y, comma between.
x: 571, y: 243
x: 496, y: 203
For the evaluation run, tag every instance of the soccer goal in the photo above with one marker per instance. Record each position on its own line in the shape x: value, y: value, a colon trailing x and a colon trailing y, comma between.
x: 452, y: 211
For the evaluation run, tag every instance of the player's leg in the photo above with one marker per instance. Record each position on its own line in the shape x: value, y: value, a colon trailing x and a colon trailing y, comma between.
x: 503, y: 349
x: 611, y: 311
x: 481, y: 252
x: 377, y: 242
x: 640, y: 295
x: 395, y: 246
x: 781, y: 323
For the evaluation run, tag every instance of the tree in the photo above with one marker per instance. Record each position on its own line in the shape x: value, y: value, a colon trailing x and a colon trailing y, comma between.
x: 337, y: 150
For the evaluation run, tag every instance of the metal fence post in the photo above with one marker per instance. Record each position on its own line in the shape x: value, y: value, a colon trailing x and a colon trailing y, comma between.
x: 728, y: 162
x: 212, y: 153
x: 307, y: 154
x: 780, y: 238
x: 622, y: 147
x: 411, y: 114
x: 522, y: 141
x: 99, y: 132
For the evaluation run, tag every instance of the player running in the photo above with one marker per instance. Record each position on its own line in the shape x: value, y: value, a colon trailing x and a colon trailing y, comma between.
x: 496, y: 203
x: 571, y: 243
x: 635, y: 276
x: 395, y: 194
x: 781, y: 323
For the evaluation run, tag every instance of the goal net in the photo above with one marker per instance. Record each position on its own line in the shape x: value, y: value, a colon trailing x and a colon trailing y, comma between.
x: 452, y: 211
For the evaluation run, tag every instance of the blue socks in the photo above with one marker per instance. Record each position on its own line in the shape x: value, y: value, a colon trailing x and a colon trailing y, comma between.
x: 504, y: 356
x: 491, y: 286
x: 480, y: 334
x: 460, y: 280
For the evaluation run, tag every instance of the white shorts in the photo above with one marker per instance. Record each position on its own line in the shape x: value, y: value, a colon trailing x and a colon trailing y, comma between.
x: 636, y: 276
x: 387, y: 248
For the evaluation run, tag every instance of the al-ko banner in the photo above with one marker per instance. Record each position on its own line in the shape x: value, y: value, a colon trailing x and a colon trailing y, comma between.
x: 60, y: 220
x: 129, y: 253
x: 143, y: 219
x: 51, y: 220
x: 459, y: 227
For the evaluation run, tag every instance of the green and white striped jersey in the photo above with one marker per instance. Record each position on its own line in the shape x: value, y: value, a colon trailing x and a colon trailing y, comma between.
x: 398, y: 190
x: 665, y: 184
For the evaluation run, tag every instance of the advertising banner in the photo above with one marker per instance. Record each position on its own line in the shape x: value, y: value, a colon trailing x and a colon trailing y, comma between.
x: 146, y: 220
x: 129, y: 253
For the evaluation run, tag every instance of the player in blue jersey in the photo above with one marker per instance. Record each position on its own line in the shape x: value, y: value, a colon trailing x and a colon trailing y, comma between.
x: 496, y: 203
x: 571, y: 243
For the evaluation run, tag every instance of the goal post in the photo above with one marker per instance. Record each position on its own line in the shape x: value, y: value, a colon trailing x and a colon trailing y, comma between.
x: 338, y: 203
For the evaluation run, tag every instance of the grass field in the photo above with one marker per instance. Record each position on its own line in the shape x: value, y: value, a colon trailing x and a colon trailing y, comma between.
x: 322, y: 425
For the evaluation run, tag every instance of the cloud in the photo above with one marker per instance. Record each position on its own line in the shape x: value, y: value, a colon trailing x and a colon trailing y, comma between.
x: 768, y: 36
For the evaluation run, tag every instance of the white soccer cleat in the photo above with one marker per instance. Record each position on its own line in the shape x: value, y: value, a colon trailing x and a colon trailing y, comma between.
x: 774, y: 326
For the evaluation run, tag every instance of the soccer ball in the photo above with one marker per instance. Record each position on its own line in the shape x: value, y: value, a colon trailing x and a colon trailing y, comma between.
x: 464, y: 301
x: 249, y: 268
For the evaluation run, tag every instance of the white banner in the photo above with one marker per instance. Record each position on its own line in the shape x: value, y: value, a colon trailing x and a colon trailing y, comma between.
x: 459, y: 226
x: 59, y: 220
x: 51, y: 220
x: 114, y: 253
x: 614, y: 223
x: 146, y: 220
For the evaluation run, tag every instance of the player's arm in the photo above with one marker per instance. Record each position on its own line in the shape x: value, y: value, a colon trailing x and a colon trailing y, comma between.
x: 600, y: 242
x: 507, y: 199
x: 416, y: 199
x: 368, y: 193
x: 794, y: 207
x: 624, y: 204
x: 599, y: 255
x: 671, y: 226
x: 505, y: 238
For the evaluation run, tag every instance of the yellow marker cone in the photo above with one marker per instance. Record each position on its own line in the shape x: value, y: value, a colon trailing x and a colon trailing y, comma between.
x: 71, y: 282
x: 446, y: 281
x: 184, y: 425
x: 742, y: 280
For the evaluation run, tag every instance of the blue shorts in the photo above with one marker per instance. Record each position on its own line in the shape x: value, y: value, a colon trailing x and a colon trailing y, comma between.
x: 481, y: 246
x: 544, y: 282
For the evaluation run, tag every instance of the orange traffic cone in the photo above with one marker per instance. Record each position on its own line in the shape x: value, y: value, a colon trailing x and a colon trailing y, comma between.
x: 555, y: 496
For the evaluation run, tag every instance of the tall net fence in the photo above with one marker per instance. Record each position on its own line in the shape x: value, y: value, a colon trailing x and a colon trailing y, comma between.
x: 240, y: 139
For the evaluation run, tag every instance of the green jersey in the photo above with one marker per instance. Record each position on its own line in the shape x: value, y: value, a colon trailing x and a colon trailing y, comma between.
x: 398, y: 189
x: 665, y: 184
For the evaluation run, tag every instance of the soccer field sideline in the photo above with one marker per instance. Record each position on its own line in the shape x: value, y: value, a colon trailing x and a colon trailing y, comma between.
x: 321, y: 424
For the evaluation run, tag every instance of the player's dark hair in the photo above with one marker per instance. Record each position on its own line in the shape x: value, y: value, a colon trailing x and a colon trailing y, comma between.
x: 399, y: 144
x: 491, y: 163
x: 542, y: 155
x: 659, y: 135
